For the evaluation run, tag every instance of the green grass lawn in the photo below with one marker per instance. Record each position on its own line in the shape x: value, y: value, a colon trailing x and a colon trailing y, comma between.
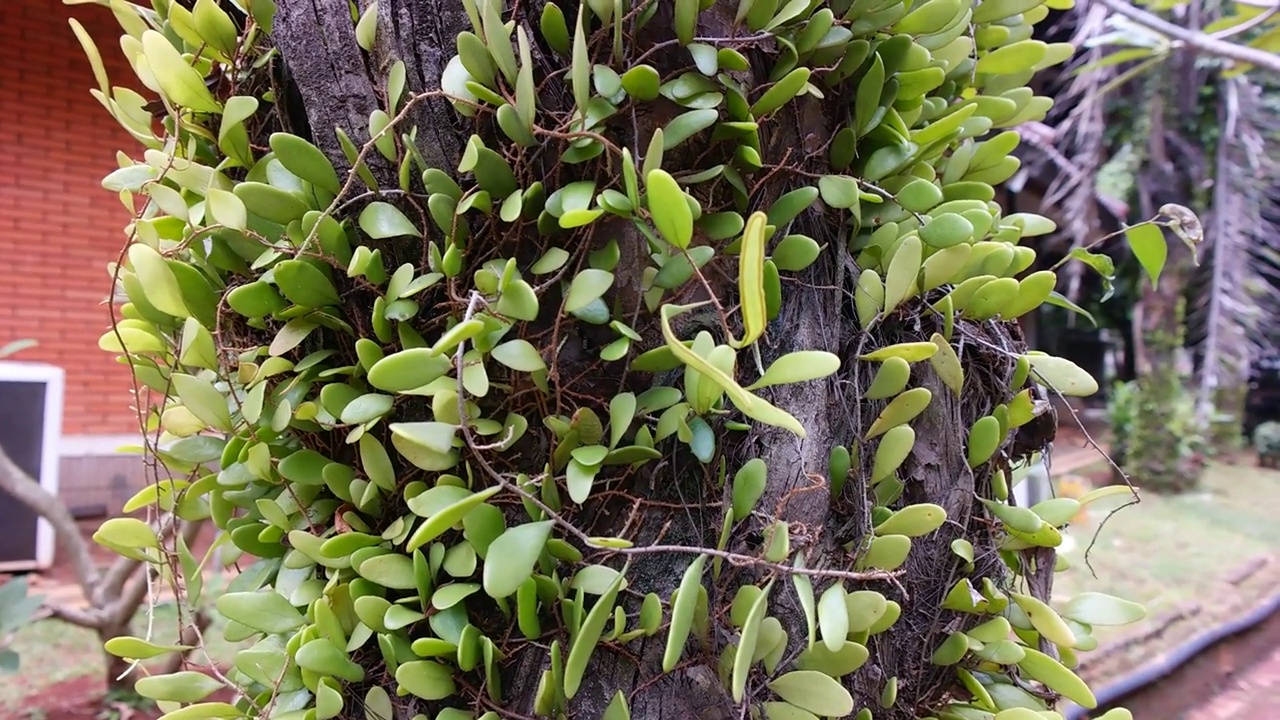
x: 1178, y: 552
x: 1165, y: 550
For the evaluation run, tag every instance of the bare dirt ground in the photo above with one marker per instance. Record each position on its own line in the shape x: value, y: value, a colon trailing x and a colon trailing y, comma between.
x: 1253, y: 693
x: 80, y: 698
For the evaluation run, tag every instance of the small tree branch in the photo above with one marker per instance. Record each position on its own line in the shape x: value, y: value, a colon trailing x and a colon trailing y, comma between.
x: 126, y: 606
x: 26, y: 490
x: 1196, y: 41
x: 88, y: 617
x: 113, y: 580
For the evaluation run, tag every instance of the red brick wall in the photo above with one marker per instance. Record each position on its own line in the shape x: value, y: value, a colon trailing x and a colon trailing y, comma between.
x: 58, y: 227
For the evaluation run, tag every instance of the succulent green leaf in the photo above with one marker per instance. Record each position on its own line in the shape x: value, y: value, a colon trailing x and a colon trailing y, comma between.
x: 554, y: 28
x: 178, y: 80
x: 748, y: 486
x: 586, y: 287
x: 781, y: 93
x: 519, y: 355
x: 686, y: 125
x: 588, y: 637
x: 1093, y: 608
x: 511, y: 557
x: 158, y: 280
x: 426, y: 679
x: 180, y: 687
x: 641, y: 82
x: 686, y: 20
x: 799, y: 366
x: 265, y: 611
x: 813, y: 691
x: 1148, y: 245
x: 833, y: 617
x: 667, y: 206
x: 580, y: 64
x: 683, y: 608
x: 381, y: 220
x: 748, y: 640
x: 305, y: 160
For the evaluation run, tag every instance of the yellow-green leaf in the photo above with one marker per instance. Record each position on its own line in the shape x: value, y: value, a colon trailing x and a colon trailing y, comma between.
x: 1148, y: 245
x: 1094, y: 608
x: 799, y: 366
x: 179, y: 82
x: 1063, y: 375
x: 158, y: 281
x: 187, y: 686
x: 751, y: 278
x: 510, y: 558
x: 668, y: 208
x: 682, y: 612
x: 909, y: 351
x: 203, y: 400
x: 580, y: 64
x: 813, y: 691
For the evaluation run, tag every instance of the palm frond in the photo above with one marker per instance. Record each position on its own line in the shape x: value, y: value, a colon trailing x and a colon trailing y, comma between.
x: 1079, y: 138
x: 1235, y: 313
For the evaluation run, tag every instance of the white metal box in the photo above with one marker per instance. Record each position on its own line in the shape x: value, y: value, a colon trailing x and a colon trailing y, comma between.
x: 30, y: 432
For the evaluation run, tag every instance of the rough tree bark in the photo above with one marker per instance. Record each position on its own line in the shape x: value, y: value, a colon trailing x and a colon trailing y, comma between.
x: 680, y: 501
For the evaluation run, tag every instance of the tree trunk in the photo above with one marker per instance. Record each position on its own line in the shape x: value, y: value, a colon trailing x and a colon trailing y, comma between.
x: 683, y: 501
x: 117, y: 667
x: 1159, y: 451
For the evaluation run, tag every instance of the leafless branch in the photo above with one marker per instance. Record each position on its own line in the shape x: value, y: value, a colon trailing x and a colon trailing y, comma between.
x: 29, y: 492
x: 87, y: 617
x: 1196, y: 41
x: 113, y: 580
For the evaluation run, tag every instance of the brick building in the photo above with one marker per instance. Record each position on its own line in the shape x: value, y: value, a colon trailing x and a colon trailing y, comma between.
x: 59, y: 230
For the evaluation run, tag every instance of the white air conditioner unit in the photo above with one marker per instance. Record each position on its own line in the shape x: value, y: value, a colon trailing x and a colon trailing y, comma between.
x: 30, y: 432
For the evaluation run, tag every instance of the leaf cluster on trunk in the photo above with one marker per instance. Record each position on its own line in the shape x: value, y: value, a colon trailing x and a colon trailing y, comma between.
x: 602, y: 359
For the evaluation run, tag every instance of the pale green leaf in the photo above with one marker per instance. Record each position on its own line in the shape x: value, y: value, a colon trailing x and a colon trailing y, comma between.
x: 511, y: 557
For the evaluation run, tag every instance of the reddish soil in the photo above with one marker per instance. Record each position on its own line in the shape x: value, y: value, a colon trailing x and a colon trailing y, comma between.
x: 1235, y: 679
x: 1254, y: 693
x: 78, y: 699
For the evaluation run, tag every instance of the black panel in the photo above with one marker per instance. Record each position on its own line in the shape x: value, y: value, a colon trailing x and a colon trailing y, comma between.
x: 21, y: 435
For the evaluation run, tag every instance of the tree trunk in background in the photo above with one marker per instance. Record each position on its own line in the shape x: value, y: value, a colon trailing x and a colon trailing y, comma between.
x: 681, y: 502
x: 1160, y: 452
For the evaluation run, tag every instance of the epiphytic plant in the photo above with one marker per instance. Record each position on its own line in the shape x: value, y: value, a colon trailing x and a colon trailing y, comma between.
x: 624, y: 359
